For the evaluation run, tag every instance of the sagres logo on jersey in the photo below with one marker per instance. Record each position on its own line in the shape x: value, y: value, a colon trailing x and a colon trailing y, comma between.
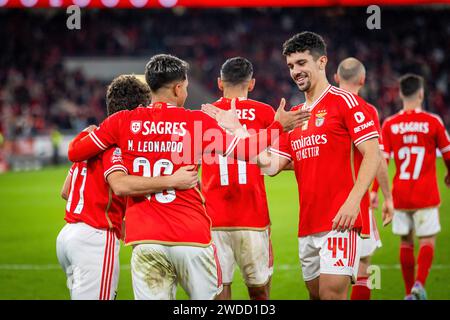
x: 136, y: 126
x: 320, y: 117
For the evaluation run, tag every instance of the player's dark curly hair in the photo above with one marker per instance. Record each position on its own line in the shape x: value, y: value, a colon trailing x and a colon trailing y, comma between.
x: 410, y: 83
x: 236, y: 71
x: 164, y: 69
x: 126, y: 92
x: 304, y: 41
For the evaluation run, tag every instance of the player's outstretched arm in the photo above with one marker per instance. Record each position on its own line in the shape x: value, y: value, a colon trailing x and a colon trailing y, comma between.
x: 82, y: 147
x: 123, y: 184
x: 251, y: 146
x: 272, y: 164
x: 228, y: 119
x: 447, y: 176
x: 347, y: 214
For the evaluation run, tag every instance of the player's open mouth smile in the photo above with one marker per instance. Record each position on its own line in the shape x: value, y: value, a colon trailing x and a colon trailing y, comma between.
x: 301, y: 79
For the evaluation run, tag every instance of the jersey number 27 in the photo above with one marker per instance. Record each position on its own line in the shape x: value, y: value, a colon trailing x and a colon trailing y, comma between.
x: 405, y: 155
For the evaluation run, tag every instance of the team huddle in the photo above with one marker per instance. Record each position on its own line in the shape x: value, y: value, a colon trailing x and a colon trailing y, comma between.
x: 135, y: 178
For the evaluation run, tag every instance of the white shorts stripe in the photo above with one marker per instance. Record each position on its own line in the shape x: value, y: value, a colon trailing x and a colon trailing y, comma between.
x: 104, y: 268
x: 111, y: 260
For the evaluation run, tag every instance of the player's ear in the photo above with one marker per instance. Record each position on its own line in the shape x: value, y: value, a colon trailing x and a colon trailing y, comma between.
x: 362, y: 80
x: 220, y: 84
x: 251, y: 85
x: 176, y: 89
x: 421, y: 94
x: 322, y: 62
x: 336, y: 78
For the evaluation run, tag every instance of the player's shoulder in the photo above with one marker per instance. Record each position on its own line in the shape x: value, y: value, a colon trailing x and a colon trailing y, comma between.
x: 222, y: 103
x: 196, y: 114
x: 433, y: 116
x: 259, y: 104
x: 392, y: 118
x: 345, y: 98
x: 371, y: 107
x: 123, y: 116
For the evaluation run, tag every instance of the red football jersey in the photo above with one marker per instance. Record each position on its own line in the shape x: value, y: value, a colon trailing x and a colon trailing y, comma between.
x: 413, y: 136
x: 234, y: 189
x: 91, y: 199
x: 158, y: 140
x: 374, y: 114
x: 326, y: 162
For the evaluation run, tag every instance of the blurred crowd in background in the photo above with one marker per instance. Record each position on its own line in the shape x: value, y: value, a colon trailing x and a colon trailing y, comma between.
x: 37, y: 95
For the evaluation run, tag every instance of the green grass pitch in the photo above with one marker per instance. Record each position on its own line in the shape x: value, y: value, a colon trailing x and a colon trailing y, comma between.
x: 32, y: 215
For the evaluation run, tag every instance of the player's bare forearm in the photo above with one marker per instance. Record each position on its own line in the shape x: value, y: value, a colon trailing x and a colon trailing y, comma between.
x: 383, y: 180
x: 289, y: 166
x: 248, y: 148
x: 369, y: 166
x: 123, y: 184
x: 66, y: 186
x: 271, y: 164
x: 348, y: 213
x: 447, y: 164
x: 387, y: 211
x: 82, y: 148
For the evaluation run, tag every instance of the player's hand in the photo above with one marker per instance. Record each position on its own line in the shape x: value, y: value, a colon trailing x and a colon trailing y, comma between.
x: 185, y: 178
x: 227, y: 119
x: 291, y: 119
x: 346, y: 216
x: 374, y: 200
x: 387, y: 212
x: 447, y: 180
x: 90, y: 128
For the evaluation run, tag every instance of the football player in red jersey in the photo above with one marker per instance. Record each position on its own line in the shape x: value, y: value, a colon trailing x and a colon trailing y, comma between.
x: 235, y: 192
x: 170, y: 231
x: 88, y: 245
x: 336, y: 156
x: 351, y: 76
x: 413, y: 135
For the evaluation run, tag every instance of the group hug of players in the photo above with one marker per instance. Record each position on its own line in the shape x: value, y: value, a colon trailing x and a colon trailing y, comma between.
x: 135, y: 178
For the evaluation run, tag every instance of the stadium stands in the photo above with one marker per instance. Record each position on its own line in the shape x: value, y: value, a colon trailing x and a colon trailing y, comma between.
x: 37, y: 92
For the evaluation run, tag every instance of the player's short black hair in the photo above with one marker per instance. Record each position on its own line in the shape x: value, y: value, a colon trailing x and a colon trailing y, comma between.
x: 304, y: 41
x: 410, y: 83
x: 163, y: 69
x: 126, y: 92
x: 236, y: 71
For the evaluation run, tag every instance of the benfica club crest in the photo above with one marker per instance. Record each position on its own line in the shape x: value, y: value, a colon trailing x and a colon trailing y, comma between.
x: 136, y: 126
x: 320, y: 118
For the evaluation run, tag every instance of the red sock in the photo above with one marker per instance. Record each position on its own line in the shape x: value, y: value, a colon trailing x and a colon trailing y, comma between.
x: 360, y: 290
x: 424, y: 260
x: 408, y: 264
